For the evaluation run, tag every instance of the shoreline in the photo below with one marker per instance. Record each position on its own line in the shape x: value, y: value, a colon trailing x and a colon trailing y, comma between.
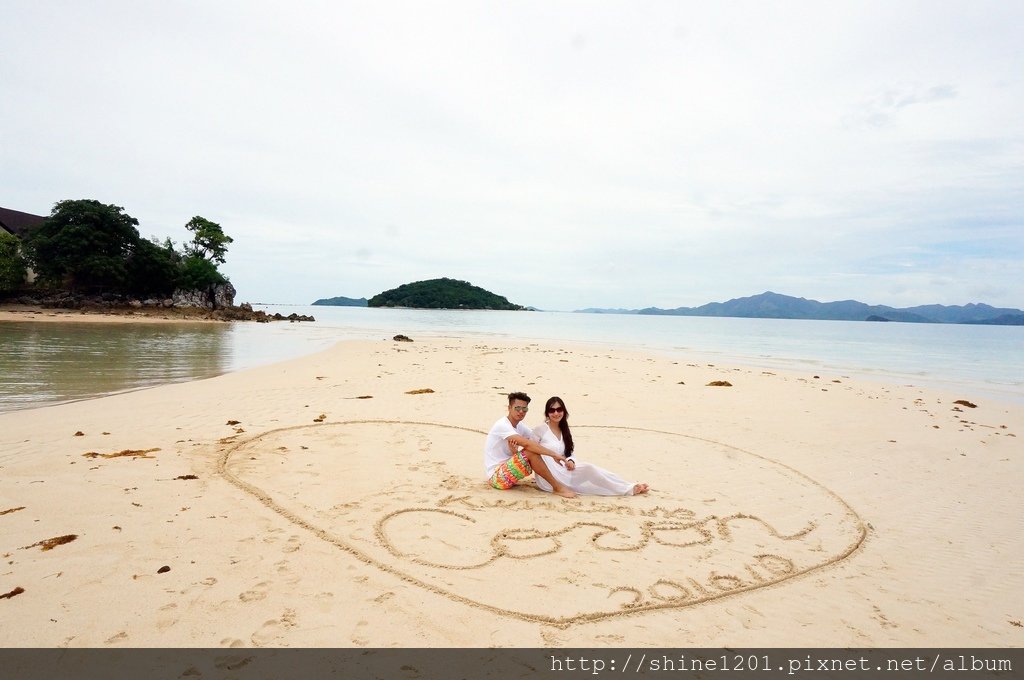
x: 323, y: 502
x: 142, y: 314
x: 36, y: 313
x: 998, y: 391
x: 17, y: 313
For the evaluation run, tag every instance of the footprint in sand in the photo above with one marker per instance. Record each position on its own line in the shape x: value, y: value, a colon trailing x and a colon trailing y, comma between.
x: 357, y: 639
x: 273, y: 631
x: 165, y: 624
x: 258, y: 592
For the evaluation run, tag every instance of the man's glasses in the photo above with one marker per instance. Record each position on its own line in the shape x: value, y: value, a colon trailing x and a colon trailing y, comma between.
x: 556, y: 409
x: 521, y: 409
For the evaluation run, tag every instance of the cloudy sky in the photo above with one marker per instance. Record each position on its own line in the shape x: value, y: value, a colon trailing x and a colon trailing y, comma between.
x: 565, y: 154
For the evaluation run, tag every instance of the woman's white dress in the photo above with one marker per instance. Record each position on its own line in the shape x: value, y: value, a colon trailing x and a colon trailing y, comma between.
x: 586, y: 479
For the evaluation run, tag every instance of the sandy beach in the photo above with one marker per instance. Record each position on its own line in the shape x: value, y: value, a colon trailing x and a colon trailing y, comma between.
x: 338, y: 500
x: 17, y: 312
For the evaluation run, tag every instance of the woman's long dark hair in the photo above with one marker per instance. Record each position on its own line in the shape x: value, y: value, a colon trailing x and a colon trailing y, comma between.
x: 563, y: 424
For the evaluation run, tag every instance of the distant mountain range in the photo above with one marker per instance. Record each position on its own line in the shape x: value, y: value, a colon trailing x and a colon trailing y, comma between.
x: 775, y: 306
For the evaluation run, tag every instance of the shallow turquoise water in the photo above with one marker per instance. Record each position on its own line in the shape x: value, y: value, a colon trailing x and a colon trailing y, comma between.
x: 45, y: 363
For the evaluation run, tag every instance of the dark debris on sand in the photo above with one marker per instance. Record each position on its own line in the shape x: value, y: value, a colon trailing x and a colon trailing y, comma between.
x: 51, y: 543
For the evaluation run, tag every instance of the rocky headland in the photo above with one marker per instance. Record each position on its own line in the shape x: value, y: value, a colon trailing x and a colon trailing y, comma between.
x: 217, y: 304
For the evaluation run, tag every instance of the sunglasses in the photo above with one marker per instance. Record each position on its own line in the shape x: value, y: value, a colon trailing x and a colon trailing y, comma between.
x: 521, y: 409
x: 556, y: 409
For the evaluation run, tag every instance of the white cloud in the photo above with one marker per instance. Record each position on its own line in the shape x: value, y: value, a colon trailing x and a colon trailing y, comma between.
x: 562, y: 154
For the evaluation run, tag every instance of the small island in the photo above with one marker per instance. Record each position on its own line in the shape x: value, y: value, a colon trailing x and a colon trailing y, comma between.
x: 441, y: 294
x: 341, y: 301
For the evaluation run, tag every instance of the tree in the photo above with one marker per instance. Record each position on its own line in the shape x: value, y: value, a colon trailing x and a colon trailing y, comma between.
x: 90, y: 246
x: 85, y: 244
x: 12, y: 264
x: 198, y: 273
x: 154, y: 268
x: 210, y: 242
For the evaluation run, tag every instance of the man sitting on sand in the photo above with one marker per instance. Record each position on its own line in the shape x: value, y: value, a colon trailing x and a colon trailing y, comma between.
x: 511, y: 453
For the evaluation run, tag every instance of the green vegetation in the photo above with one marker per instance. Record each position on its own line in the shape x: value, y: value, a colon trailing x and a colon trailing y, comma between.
x: 154, y: 268
x: 12, y: 264
x: 341, y: 301
x: 83, y: 244
x: 441, y: 294
x: 199, y: 274
x: 210, y: 242
x: 88, y: 246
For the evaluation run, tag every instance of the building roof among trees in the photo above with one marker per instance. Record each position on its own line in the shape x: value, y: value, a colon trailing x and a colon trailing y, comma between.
x: 18, y: 223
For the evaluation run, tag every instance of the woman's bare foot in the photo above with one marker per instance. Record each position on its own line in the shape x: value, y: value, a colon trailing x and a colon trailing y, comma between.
x: 640, y: 488
x: 564, y: 492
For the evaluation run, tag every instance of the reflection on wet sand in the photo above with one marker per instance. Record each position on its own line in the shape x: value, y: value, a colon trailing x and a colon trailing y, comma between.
x: 45, y: 363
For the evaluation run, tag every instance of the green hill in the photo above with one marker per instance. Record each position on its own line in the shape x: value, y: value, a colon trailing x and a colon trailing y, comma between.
x: 341, y: 301
x: 441, y: 294
x: 775, y: 306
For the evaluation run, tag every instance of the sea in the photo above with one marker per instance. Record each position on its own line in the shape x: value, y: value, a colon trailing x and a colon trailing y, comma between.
x: 42, y: 364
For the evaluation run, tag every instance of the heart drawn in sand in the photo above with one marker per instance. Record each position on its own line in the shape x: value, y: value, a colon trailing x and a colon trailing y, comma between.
x: 409, y: 498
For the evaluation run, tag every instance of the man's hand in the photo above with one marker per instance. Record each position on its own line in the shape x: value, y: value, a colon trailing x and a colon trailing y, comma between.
x: 567, y: 463
x: 515, y: 443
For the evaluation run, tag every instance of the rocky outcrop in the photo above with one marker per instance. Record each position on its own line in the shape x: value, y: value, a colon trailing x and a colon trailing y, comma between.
x: 217, y: 304
x: 220, y: 297
x: 198, y: 299
x: 224, y: 296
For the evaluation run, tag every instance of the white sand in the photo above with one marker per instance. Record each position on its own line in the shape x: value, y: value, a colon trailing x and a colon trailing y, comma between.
x: 13, y: 312
x: 786, y: 510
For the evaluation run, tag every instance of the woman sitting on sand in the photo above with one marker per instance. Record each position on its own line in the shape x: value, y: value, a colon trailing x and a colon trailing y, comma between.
x: 583, y: 478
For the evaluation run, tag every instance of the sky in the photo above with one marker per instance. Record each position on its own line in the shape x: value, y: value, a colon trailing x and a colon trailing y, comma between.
x: 563, y: 154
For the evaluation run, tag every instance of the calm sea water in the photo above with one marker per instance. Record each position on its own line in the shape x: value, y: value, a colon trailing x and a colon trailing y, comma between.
x: 45, y: 363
